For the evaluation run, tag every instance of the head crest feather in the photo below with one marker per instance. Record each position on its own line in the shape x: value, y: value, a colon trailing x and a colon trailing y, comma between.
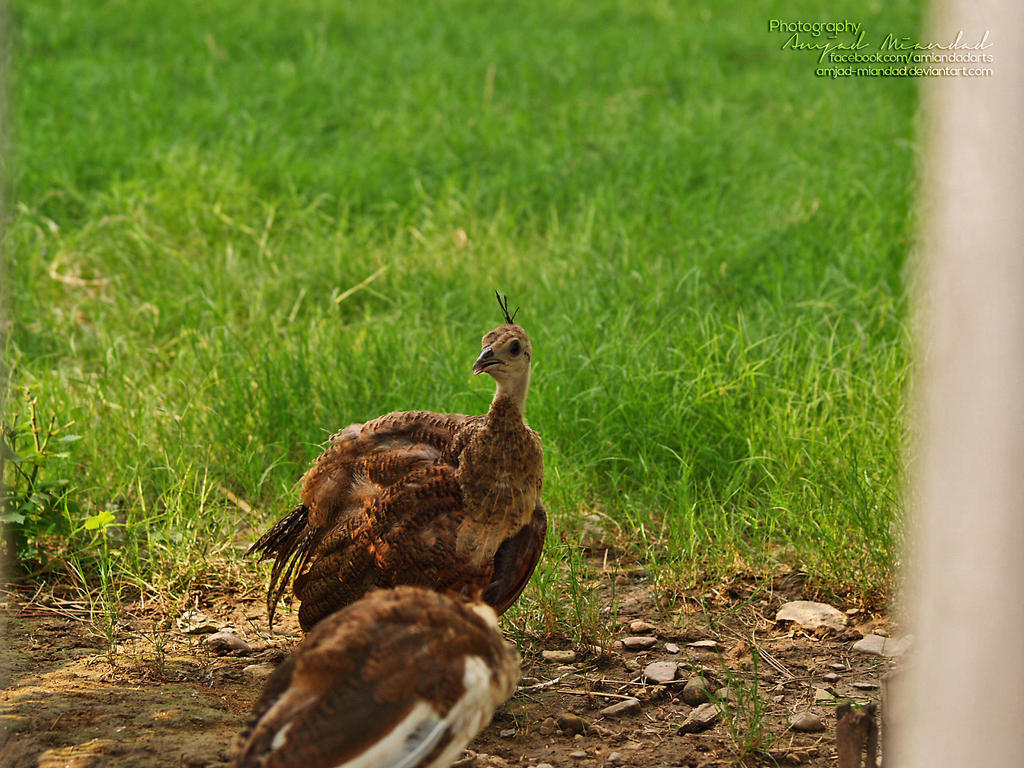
x: 503, y: 303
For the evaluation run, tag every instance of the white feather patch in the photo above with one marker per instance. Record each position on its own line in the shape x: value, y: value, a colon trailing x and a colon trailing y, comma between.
x: 279, y: 737
x: 411, y: 740
x: 406, y: 745
x: 471, y: 712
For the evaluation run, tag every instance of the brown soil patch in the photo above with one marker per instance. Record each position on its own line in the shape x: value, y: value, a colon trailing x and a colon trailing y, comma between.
x: 160, y: 699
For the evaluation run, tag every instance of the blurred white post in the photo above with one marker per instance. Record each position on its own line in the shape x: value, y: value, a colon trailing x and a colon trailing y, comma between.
x: 961, y: 703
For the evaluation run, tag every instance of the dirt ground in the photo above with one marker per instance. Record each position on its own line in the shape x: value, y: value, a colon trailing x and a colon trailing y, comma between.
x: 162, y: 699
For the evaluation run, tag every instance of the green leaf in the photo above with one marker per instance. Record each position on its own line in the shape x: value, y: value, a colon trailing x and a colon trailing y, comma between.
x: 69, y: 438
x: 100, y: 520
x: 12, y: 517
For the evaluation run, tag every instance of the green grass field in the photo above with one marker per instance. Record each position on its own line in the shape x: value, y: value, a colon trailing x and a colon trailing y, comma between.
x: 234, y: 230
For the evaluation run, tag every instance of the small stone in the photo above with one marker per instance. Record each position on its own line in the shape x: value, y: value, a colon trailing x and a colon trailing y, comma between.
x: 661, y: 672
x: 711, y: 644
x: 227, y: 644
x: 547, y: 726
x: 823, y: 694
x: 543, y: 765
x: 872, y: 644
x: 508, y: 733
x: 811, y: 616
x: 865, y: 685
x: 579, y: 754
x: 830, y: 677
x: 700, y: 719
x: 195, y: 760
x: 196, y: 623
x: 561, y: 657
x: 838, y: 667
x: 877, y: 645
x: 695, y: 692
x: 671, y: 648
x: 617, y: 758
x: 570, y: 723
x: 593, y: 535
x: 258, y: 672
x: 640, y: 627
x: 897, y: 646
x: 807, y: 722
x: 638, y: 643
x: 620, y: 708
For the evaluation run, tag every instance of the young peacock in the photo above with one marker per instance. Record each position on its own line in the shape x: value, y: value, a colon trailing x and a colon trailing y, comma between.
x: 403, y: 678
x: 445, y: 501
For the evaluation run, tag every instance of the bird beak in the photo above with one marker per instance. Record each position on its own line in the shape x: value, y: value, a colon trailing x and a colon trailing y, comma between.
x: 485, y: 361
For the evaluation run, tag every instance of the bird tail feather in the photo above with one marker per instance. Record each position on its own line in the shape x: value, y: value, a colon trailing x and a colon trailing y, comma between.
x: 288, y: 543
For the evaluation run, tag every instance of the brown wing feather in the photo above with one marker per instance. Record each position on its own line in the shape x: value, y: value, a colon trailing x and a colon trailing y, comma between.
x: 360, y: 672
x: 407, y: 535
x: 515, y: 561
x: 361, y: 461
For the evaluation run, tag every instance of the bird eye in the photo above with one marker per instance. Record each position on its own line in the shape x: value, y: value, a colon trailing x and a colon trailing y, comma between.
x: 515, y: 349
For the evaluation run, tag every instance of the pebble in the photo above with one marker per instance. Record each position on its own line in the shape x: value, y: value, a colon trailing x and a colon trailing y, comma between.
x: 616, y: 757
x: 638, y: 643
x: 671, y: 647
x: 593, y: 534
x: 196, y: 623
x: 194, y: 760
x: 700, y: 719
x: 837, y: 667
x: 864, y: 685
x: 620, y: 708
x: 877, y: 645
x: 562, y: 657
x: 872, y: 644
x: 807, y: 722
x: 830, y: 677
x: 571, y: 723
x: 547, y: 727
x: 695, y: 692
x: 640, y: 627
x: 703, y: 644
x: 661, y: 672
x: 811, y: 616
x: 579, y: 754
x: 258, y: 672
x: 508, y: 733
x: 824, y: 694
x: 227, y: 644
x: 542, y: 765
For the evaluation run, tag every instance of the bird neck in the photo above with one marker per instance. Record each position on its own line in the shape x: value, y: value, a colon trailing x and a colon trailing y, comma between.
x: 514, y: 392
x: 505, y: 413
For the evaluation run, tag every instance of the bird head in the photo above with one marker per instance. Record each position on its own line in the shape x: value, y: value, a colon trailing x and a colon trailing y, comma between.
x: 506, y: 354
